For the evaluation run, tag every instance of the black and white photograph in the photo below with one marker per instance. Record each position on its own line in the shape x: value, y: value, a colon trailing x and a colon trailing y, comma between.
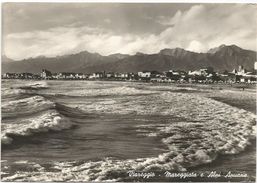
x: 128, y: 92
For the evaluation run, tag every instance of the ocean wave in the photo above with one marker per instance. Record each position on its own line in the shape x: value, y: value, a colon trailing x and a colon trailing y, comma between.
x: 117, y: 91
x: 50, y: 120
x: 26, y: 105
x: 208, y: 125
x: 207, y: 129
x: 173, y: 88
x: 7, y: 92
x: 33, y: 86
x: 16, y: 91
x: 165, y: 103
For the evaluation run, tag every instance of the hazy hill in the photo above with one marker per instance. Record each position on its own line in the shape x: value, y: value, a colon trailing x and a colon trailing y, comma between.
x: 67, y: 63
x: 220, y: 58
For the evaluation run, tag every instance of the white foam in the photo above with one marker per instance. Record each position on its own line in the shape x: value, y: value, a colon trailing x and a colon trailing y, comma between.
x: 35, y: 103
x: 207, y: 128
x: 123, y: 90
x: 34, y: 85
x: 5, y: 139
x: 7, y: 92
x: 50, y: 120
x: 166, y: 103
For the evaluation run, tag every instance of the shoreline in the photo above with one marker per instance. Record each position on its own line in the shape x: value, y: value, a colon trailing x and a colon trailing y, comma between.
x: 178, y: 84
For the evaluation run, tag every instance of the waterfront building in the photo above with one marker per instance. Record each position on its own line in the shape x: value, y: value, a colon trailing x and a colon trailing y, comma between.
x: 45, y: 74
x: 144, y: 74
x: 96, y: 75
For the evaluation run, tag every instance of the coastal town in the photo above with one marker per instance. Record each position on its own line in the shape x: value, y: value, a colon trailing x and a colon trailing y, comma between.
x: 205, y: 75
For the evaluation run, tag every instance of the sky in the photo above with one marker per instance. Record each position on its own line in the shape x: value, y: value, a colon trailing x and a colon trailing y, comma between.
x: 54, y: 29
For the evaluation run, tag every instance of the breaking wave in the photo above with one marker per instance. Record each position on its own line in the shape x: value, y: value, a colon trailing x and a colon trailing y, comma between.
x: 209, y: 128
x: 8, y: 93
x: 115, y: 91
x: 30, y: 115
x: 33, y: 86
x: 29, y: 105
x: 49, y: 120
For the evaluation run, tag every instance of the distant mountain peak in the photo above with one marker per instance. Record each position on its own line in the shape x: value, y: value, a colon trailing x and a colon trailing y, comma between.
x: 222, y: 46
x: 176, y: 52
x: 40, y: 56
x: 225, y: 48
x: 139, y: 53
x: 83, y: 52
x: 119, y: 55
x: 224, y: 57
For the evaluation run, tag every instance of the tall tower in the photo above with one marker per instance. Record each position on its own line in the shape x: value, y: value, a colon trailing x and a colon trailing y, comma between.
x: 255, y: 65
x: 240, y: 68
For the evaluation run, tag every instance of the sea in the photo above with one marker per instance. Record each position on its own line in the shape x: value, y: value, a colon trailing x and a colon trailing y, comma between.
x: 125, y: 131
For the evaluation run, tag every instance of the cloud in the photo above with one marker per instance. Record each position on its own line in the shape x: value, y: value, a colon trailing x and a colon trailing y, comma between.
x: 205, y: 26
x: 196, y: 46
x: 107, y: 20
x: 197, y: 29
x: 67, y: 40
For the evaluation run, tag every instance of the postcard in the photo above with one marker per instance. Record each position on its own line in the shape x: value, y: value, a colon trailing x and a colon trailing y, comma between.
x: 128, y: 92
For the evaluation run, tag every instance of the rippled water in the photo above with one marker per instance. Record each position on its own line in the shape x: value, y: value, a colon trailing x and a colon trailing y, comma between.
x: 89, y: 130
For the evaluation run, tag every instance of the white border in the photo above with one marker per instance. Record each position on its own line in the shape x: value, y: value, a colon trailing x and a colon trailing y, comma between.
x: 133, y: 1
x: 106, y: 1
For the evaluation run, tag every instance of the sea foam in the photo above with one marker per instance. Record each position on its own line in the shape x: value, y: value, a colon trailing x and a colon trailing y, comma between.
x: 207, y: 129
x: 34, y: 103
x: 117, y: 91
x: 34, y: 85
x: 49, y: 120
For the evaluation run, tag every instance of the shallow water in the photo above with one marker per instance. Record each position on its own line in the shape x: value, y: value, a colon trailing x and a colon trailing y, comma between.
x: 85, y: 130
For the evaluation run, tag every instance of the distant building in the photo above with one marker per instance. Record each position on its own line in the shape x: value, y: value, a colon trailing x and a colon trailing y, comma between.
x: 45, y: 74
x: 249, y: 78
x: 155, y: 74
x: 201, y: 72
x: 66, y: 75
x: 132, y: 76
x: 144, y: 74
x: 9, y: 76
x: 96, y: 75
x: 124, y: 75
x: 241, y: 70
x: 26, y: 75
x: 81, y: 76
x: 172, y: 75
x: 110, y: 75
x: 55, y: 76
x: 234, y: 71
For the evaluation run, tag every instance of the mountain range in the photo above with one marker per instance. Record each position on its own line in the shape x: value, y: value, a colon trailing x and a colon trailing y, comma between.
x: 224, y: 57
